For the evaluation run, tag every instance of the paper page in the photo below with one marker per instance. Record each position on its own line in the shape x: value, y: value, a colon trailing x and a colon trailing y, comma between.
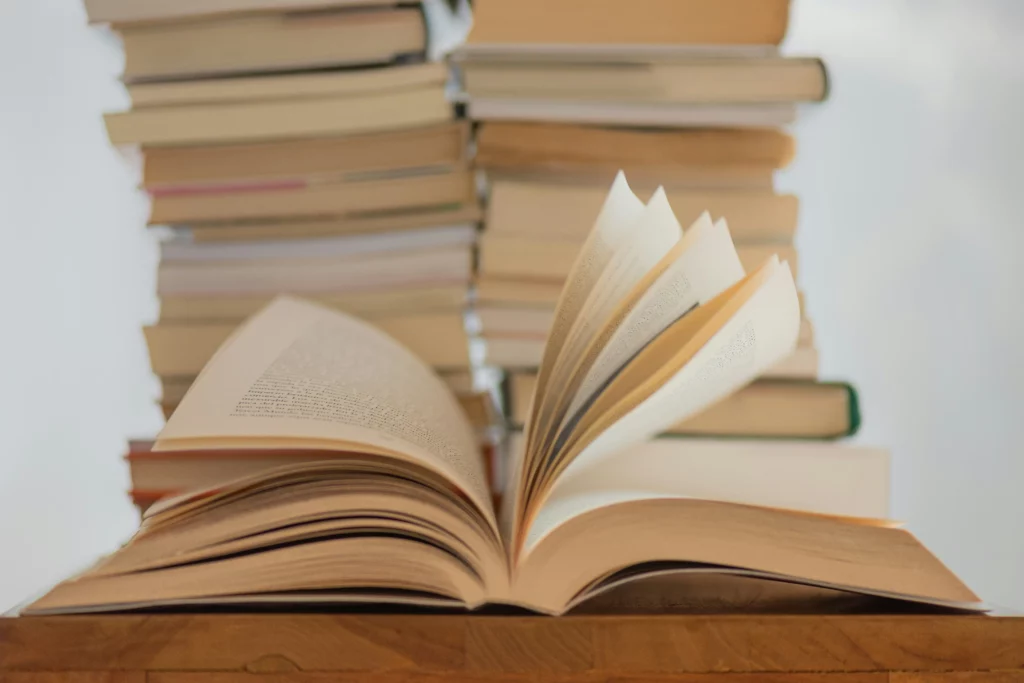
x: 610, y: 232
x: 655, y: 232
x: 301, y: 374
x: 851, y: 482
x: 706, y: 267
x: 762, y: 332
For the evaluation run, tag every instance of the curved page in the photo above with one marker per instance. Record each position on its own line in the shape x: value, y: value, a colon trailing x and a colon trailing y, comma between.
x: 301, y: 375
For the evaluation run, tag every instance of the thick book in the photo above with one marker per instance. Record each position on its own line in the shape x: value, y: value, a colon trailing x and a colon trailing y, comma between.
x: 680, y: 80
x: 437, y: 267
x: 275, y: 164
x: 266, y: 42
x: 765, y: 409
x: 649, y: 331
x: 641, y: 22
x: 315, y: 198
x: 371, y: 304
x: 127, y: 11
x: 543, y: 258
x: 563, y: 210
x: 260, y: 120
x: 698, y: 158
x: 332, y: 226
x: 638, y: 114
x: 181, y: 350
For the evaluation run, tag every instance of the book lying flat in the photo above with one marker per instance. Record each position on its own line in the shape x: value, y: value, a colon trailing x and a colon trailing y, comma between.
x: 372, y: 304
x: 125, y: 11
x: 539, y: 258
x: 183, y: 249
x: 642, y: 22
x: 259, y: 43
x: 331, y: 226
x: 692, y: 80
x: 649, y: 332
x: 389, y: 270
x: 179, y: 169
x: 684, y: 157
x: 312, y: 197
x: 280, y: 119
x: 563, y: 210
x: 765, y: 409
x: 612, y: 113
x: 438, y: 339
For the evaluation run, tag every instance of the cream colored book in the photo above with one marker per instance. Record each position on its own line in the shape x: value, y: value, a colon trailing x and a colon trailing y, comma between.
x: 537, y: 258
x: 278, y: 119
x: 253, y: 43
x: 319, y: 276
x: 181, y: 350
x: 385, y: 500
x: 564, y: 211
x: 127, y: 11
x: 614, y: 113
x: 372, y: 304
x: 692, y: 80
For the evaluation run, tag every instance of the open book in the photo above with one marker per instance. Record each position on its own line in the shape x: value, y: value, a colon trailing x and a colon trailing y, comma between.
x: 380, y: 496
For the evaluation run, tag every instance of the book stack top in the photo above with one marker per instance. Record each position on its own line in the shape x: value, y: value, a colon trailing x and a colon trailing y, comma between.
x: 296, y: 147
x: 692, y: 96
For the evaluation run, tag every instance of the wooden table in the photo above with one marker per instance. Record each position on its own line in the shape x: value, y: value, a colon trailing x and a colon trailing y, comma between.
x: 344, y: 648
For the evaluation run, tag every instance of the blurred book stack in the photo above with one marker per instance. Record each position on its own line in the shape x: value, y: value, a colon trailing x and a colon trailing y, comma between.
x: 298, y: 147
x: 691, y: 95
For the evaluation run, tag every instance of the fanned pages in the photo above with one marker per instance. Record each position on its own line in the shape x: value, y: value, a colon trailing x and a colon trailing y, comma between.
x: 357, y: 478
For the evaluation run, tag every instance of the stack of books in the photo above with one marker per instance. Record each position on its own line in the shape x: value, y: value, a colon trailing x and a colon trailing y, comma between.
x: 297, y: 147
x: 691, y: 95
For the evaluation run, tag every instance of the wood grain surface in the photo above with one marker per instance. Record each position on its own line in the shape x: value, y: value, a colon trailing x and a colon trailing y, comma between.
x: 317, y: 648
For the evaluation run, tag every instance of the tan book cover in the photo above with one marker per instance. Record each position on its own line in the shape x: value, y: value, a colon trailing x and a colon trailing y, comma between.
x: 537, y: 258
x: 280, y: 119
x: 347, y: 157
x: 314, y: 198
x: 654, y: 22
x: 559, y: 210
x: 249, y: 43
x: 181, y: 350
x: 531, y: 146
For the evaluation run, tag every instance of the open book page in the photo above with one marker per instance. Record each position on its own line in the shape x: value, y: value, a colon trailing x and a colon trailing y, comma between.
x: 723, y: 471
x: 301, y: 376
x: 703, y: 356
x: 610, y: 232
x: 706, y: 265
x: 754, y: 336
x: 812, y: 549
x: 656, y: 232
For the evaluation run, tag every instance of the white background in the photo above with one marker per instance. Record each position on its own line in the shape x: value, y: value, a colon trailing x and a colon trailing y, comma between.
x: 912, y: 187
